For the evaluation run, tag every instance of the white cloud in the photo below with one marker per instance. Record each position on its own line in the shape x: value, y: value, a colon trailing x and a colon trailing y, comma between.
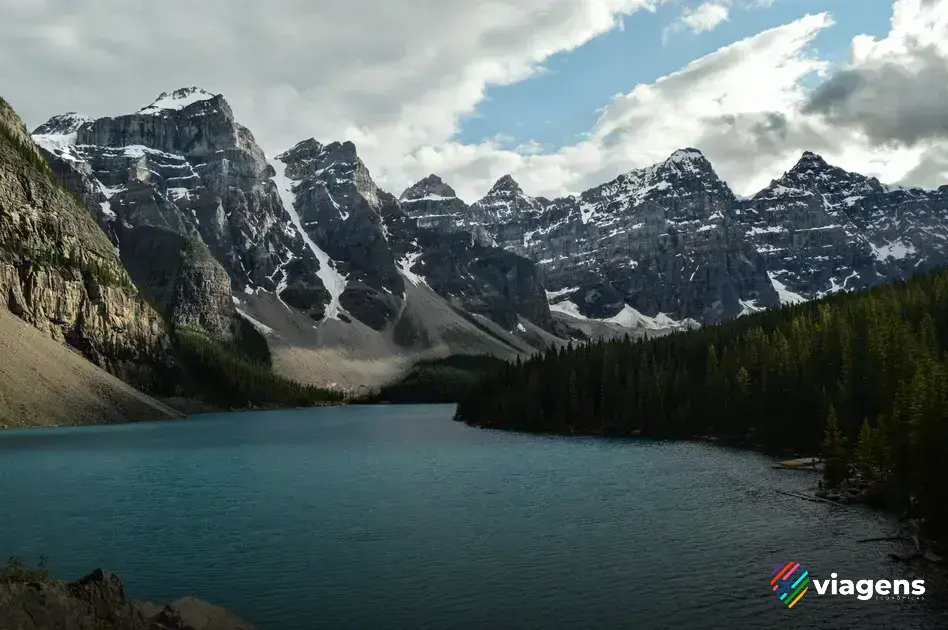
x: 395, y: 78
x: 720, y: 103
x: 744, y: 106
x: 389, y: 76
x: 705, y: 17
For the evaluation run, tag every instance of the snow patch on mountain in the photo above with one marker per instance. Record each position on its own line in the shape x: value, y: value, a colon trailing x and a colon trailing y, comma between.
x: 176, y: 100
x: 334, y: 281
x: 567, y: 307
x: 405, y: 264
x: 786, y: 296
x: 631, y: 318
x: 260, y: 326
x: 428, y: 198
x: 893, y: 249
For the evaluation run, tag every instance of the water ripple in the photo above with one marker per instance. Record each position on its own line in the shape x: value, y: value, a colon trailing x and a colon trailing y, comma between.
x: 397, y: 517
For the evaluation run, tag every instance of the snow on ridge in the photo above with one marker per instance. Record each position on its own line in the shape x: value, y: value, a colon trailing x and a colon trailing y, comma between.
x: 628, y: 317
x: 786, y: 296
x: 631, y: 318
x: 685, y: 155
x: 894, y: 249
x: 567, y: 307
x: 552, y: 295
x: 260, y: 326
x: 177, y: 100
x: 405, y: 264
x: 334, y: 281
x: 428, y: 197
x: 749, y: 307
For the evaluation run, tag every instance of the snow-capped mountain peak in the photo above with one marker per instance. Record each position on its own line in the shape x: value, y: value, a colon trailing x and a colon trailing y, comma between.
x: 63, y: 124
x: 506, y: 184
x: 431, y: 188
x: 813, y: 173
x: 177, y: 100
x: 59, y: 133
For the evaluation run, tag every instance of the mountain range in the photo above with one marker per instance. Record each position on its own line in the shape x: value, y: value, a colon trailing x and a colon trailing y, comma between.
x: 351, y: 284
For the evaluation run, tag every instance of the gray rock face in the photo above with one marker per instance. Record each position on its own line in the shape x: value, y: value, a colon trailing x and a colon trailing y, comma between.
x: 181, y: 277
x: 822, y: 229
x: 658, y: 240
x: 309, y: 226
x: 435, y: 205
x: 184, y: 164
x: 59, y: 272
x: 673, y: 241
x: 481, y: 279
x: 660, y: 246
x: 98, y: 602
x: 339, y: 208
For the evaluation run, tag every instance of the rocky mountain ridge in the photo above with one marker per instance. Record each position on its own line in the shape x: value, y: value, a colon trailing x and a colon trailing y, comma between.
x: 59, y: 272
x: 670, y: 243
x: 316, y: 255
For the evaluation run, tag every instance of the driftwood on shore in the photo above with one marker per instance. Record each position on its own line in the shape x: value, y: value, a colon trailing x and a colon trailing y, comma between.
x: 884, y: 539
x: 802, y: 463
x: 807, y: 498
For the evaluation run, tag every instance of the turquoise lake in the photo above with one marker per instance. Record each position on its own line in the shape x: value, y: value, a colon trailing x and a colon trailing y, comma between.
x: 398, y: 517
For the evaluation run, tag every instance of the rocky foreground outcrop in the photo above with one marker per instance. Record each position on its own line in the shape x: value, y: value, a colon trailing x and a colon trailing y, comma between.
x: 98, y: 602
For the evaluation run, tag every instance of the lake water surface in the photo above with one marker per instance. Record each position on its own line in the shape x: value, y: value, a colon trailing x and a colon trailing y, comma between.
x: 398, y: 517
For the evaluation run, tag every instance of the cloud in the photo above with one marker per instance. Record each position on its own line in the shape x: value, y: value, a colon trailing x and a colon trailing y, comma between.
x: 397, y: 78
x: 738, y: 105
x: 705, y: 17
x: 894, y: 90
x: 390, y: 76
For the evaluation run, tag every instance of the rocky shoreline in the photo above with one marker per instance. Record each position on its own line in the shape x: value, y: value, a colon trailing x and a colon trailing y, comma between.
x: 97, y: 602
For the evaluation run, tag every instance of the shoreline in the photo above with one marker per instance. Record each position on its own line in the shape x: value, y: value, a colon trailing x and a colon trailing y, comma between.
x: 185, y: 409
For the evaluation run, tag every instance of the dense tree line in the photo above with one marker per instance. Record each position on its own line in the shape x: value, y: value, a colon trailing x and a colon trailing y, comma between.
x: 862, y: 378
x: 445, y: 380
x: 237, y: 374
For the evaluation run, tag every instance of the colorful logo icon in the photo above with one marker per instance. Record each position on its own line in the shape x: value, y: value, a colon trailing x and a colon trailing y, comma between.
x: 790, y: 582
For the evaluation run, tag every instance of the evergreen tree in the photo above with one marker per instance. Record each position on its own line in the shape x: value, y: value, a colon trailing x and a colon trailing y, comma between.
x: 833, y: 449
x: 864, y: 457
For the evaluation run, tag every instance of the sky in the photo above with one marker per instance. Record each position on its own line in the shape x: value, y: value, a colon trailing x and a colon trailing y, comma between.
x: 561, y: 94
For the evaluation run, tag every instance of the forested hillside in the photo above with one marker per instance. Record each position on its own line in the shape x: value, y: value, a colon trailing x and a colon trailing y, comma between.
x: 862, y: 377
x: 445, y: 380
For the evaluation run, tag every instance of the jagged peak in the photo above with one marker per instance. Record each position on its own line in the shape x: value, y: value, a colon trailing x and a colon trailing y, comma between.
x: 431, y: 187
x: 809, y: 159
x: 688, y: 154
x: 314, y: 150
x: 177, y: 100
x: 506, y: 184
x: 65, y: 123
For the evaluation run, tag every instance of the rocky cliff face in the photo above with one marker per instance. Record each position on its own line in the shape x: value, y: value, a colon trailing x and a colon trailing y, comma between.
x: 333, y: 201
x: 59, y: 272
x: 651, y: 248
x: 670, y: 244
x: 822, y: 229
x: 308, y: 231
x: 181, y: 277
x: 98, y: 602
x: 185, y: 165
x: 477, y: 278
